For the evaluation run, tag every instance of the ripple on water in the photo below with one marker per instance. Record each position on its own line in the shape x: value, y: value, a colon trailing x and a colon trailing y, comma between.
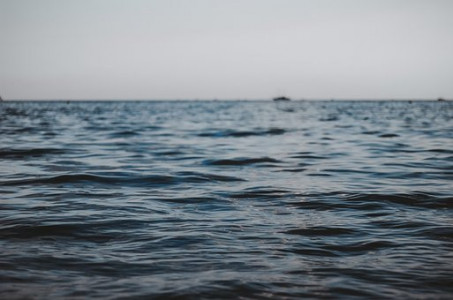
x: 242, y: 161
x: 29, y: 153
x: 215, y: 199
x: 242, y: 133
x: 125, y: 180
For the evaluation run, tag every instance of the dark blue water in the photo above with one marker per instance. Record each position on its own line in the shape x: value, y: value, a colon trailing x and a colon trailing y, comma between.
x: 124, y: 200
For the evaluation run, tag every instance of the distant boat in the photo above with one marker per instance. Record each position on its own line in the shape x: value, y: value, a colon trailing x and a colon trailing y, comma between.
x: 282, y: 98
x: 440, y: 99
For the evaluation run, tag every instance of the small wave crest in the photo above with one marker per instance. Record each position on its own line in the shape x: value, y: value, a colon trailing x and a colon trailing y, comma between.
x: 416, y: 199
x: 125, y: 179
x: 241, y: 161
x: 343, y: 249
x: 321, y: 231
x: 29, y: 153
x: 242, y: 133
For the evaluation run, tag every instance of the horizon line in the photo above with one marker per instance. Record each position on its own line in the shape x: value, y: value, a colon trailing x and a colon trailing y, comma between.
x: 220, y: 99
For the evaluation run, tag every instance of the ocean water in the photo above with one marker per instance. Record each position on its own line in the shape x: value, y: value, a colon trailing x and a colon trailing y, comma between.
x: 218, y: 199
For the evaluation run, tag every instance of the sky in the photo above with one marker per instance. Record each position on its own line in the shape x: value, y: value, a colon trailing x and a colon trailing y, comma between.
x: 226, y: 49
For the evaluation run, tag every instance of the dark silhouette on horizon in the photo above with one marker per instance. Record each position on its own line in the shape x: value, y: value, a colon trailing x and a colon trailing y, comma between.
x: 282, y: 98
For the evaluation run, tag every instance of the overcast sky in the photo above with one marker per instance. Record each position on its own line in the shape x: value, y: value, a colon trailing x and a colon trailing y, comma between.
x: 226, y: 49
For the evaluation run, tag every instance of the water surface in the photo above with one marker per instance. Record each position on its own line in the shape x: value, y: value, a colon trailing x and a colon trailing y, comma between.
x: 124, y: 200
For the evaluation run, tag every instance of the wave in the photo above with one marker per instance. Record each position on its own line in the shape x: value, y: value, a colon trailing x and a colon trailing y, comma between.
x: 261, y: 193
x: 126, y: 179
x: 241, y: 161
x: 124, y: 133
x: 70, y: 231
x: 370, y: 202
x: 415, y: 199
x: 309, y: 155
x: 206, y: 177
x: 388, y: 135
x: 332, y: 250
x: 321, y: 231
x: 92, y: 231
x: 241, y: 133
x: 360, y: 247
x: 29, y: 153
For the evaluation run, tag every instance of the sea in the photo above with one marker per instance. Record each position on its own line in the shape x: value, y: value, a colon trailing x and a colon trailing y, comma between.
x: 226, y: 200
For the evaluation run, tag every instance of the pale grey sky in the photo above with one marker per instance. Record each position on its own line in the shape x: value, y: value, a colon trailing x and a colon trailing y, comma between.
x: 226, y: 49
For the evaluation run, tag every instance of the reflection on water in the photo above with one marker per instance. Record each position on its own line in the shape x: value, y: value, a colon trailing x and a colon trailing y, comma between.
x: 226, y: 199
